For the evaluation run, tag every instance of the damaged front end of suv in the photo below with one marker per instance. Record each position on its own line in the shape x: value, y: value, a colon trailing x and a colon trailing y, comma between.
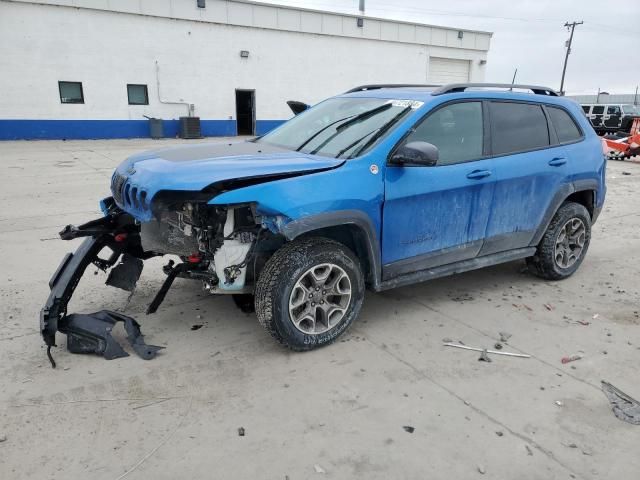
x: 160, y: 205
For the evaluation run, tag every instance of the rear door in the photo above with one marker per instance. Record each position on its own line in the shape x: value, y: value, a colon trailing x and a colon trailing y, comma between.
x: 437, y: 215
x: 529, y: 171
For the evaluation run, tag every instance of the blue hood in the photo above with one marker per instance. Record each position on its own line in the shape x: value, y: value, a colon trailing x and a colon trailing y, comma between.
x: 193, y: 168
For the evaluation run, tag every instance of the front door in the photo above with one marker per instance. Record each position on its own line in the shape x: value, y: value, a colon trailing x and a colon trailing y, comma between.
x: 438, y: 215
x: 613, y: 117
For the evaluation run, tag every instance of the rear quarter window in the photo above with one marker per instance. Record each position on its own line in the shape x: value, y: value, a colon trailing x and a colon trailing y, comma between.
x: 565, y: 126
x: 517, y: 127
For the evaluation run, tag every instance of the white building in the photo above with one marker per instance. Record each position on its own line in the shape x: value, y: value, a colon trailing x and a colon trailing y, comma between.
x: 93, y: 68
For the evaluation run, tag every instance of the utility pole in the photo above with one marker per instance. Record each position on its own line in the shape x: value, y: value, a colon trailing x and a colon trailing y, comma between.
x: 566, y: 57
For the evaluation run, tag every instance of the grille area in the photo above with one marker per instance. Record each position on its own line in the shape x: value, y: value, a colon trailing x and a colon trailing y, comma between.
x: 128, y: 196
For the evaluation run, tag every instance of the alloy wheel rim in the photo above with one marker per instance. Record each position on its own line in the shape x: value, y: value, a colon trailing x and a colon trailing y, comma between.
x: 570, y: 243
x: 320, y: 298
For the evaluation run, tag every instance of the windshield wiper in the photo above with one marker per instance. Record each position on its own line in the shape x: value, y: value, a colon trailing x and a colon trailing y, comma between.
x: 322, y: 130
x: 349, y: 122
x: 378, y: 133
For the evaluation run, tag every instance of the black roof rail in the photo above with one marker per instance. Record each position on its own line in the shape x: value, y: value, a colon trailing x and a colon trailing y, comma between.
x: 461, y: 87
x: 363, y: 88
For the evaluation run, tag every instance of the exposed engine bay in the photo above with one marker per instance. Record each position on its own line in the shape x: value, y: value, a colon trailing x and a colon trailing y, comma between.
x: 223, y: 247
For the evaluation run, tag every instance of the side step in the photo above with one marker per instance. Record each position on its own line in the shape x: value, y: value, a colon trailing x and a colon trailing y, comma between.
x: 457, y: 267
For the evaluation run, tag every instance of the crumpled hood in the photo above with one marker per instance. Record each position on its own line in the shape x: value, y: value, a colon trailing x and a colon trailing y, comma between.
x: 194, y: 167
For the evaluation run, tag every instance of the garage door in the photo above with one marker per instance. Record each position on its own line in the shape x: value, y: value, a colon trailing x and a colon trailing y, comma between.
x: 448, y: 70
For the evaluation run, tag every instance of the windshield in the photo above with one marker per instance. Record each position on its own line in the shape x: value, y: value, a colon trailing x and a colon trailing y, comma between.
x: 340, y: 127
x: 631, y: 109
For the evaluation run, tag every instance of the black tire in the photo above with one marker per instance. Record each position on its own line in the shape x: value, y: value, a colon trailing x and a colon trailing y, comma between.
x: 244, y: 301
x: 544, y: 264
x: 281, y: 273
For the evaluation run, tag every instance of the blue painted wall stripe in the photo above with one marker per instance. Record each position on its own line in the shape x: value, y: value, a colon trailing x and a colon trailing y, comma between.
x: 98, y: 129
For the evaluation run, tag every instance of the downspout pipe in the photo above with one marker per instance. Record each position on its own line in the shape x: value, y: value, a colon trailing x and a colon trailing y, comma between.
x: 190, y: 106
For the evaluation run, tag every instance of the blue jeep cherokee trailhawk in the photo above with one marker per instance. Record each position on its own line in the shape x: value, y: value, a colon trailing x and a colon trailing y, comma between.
x: 381, y: 187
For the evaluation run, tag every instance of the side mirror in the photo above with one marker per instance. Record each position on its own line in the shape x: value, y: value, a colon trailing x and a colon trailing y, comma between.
x: 416, y: 153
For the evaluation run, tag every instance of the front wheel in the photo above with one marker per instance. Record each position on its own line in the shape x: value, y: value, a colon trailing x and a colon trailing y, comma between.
x: 564, y: 244
x: 309, y: 292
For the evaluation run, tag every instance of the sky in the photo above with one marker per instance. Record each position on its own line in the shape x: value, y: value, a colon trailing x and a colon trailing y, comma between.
x: 530, y: 35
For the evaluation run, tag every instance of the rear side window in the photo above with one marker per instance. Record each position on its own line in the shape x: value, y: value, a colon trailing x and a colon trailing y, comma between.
x: 598, y: 110
x: 517, y: 127
x: 566, y: 128
x: 613, y: 110
x: 456, y: 130
x: 585, y: 108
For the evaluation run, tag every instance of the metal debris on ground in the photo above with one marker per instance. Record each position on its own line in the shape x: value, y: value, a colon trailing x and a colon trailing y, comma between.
x: 475, y: 349
x: 559, y: 403
x: 198, y: 326
x: 482, y: 470
x: 409, y: 429
x: 484, y: 357
x: 571, y: 358
x: 504, y: 336
x: 498, y: 346
x: 548, y: 307
x: 241, y: 432
x: 624, y: 407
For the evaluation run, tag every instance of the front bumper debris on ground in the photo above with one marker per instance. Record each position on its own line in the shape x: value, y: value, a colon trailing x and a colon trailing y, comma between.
x: 91, y: 333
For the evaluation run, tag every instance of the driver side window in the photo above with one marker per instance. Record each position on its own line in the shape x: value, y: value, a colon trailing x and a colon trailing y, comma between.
x: 456, y: 130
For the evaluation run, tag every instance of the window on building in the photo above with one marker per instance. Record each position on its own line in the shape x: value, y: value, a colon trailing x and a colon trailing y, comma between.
x: 456, y: 130
x: 566, y: 128
x: 517, y: 127
x: 71, y: 92
x: 137, y: 94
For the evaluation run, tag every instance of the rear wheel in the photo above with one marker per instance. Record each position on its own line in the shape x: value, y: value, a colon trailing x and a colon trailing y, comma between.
x: 564, y: 244
x: 309, y: 292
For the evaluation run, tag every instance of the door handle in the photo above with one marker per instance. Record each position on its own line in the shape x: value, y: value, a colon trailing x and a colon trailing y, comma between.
x: 476, y: 174
x: 556, y: 162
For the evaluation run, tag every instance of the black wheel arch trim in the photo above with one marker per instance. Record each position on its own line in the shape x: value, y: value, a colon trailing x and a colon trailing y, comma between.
x: 559, y: 198
x: 358, y: 218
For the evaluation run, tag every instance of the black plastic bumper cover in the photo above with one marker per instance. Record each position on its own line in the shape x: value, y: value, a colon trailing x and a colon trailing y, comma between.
x: 91, y: 333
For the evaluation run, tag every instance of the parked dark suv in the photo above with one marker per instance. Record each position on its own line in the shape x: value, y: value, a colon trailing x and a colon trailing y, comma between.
x: 380, y: 187
x: 611, y: 118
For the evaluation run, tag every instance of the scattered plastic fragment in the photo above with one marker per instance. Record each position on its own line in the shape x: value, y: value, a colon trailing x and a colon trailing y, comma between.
x: 571, y: 358
x: 559, y: 403
x: 319, y: 469
x: 241, y: 432
x: 498, y: 346
x: 197, y: 326
x: 548, y: 307
x: 3, y: 438
x: 504, y: 336
x: 624, y: 407
x: 484, y: 357
x: 409, y: 429
x: 529, y: 451
x: 481, y: 469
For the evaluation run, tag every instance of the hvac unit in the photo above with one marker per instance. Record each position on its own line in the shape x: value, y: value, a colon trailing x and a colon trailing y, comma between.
x: 190, y: 127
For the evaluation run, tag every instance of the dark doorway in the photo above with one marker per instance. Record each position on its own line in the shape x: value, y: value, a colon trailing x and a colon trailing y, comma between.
x: 246, y: 112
